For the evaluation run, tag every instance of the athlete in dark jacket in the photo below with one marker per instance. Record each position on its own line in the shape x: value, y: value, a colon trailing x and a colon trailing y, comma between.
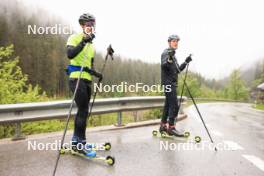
x: 169, y: 77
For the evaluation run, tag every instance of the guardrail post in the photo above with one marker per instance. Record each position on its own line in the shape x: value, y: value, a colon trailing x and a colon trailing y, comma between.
x: 135, y: 114
x: 18, y: 134
x: 181, y: 108
x: 119, y: 119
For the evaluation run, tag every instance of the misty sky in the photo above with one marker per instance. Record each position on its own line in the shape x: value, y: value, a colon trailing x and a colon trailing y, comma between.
x: 221, y: 34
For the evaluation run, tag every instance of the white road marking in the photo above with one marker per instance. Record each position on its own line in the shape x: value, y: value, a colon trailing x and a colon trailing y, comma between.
x: 256, y: 161
x: 233, y: 146
x: 259, y: 163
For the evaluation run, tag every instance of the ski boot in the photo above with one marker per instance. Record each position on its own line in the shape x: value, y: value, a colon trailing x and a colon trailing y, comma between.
x: 80, y: 147
x: 163, y: 127
x: 173, y: 132
x: 89, y: 153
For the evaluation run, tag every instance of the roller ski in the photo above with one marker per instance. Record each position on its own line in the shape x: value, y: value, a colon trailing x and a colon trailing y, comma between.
x: 172, y: 133
x: 89, y: 152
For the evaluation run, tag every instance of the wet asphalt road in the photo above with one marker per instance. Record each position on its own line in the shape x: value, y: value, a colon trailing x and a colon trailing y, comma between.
x: 137, y: 152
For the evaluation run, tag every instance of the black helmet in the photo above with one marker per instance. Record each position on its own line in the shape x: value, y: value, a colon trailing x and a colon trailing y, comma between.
x: 86, y: 17
x: 173, y: 37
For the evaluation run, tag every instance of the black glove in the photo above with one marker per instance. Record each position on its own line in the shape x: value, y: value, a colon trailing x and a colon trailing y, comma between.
x: 98, y: 75
x: 171, y: 52
x: 88, y: 39
x: 188, y: 59
x: 110, y: 50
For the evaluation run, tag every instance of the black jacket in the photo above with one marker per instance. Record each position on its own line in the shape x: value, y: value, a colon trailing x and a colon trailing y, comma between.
x: 170, y: 71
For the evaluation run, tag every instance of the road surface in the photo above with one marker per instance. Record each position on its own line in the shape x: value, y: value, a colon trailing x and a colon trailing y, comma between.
x: 236, y: 126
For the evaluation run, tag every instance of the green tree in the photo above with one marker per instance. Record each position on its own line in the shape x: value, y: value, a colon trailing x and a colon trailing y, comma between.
x: 236, y: 88
x: 207, y: 92
x: 14, y: 87
x: 193, y: 84
x: 259, y: 75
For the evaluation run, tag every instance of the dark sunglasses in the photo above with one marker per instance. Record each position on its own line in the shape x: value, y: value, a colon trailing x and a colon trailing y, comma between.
x: 89, y: 23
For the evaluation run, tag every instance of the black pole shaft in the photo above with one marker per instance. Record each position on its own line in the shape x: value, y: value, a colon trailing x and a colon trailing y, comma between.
x: 185, y: 77
x: 67, y: 121
x: 95, y: 92
x: 200, y: 115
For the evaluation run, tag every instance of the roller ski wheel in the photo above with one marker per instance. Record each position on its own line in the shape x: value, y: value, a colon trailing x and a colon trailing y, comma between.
x: 107, y: 146
x: 62, y: 151
x: 164, y: 134
x: 154, y: 132
x: 110, y: 160
x: 197, y: 139
x: 187, y: 134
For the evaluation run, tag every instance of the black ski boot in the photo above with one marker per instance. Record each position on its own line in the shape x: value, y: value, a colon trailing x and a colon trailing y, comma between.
x: 163, y: 127
x: 173, y: 132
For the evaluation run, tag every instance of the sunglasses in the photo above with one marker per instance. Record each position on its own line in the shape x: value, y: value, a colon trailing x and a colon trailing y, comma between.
x: 89, y: 24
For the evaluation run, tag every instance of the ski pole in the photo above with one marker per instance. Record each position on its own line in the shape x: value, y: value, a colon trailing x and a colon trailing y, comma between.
x: 200, y: 115
x: 69, y: 114
x: 110, y: 52
x: 184, y: 80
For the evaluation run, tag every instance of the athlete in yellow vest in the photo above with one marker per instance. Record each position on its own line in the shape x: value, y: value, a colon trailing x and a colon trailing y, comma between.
x: 80, y: 51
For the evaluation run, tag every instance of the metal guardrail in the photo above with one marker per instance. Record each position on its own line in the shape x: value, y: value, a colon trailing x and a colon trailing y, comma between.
x: 27, y: 112
x: 220, y: 100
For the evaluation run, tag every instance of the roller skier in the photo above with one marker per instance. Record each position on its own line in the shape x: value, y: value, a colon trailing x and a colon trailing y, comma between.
x: 80, y: 51
x: 169, y: 77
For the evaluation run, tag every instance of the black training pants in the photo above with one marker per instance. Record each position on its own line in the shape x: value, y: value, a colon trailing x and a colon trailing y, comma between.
x: 82, y: 100
x: 171, y: 107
